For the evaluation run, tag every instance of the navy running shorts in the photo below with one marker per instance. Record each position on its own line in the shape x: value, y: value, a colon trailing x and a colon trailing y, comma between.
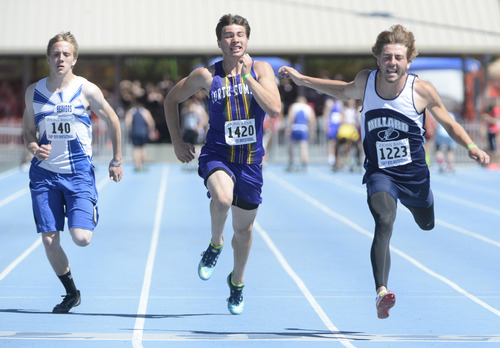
x: 410, y: 195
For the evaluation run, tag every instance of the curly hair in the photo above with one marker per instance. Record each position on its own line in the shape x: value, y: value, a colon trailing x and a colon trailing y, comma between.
x: 396, y: 35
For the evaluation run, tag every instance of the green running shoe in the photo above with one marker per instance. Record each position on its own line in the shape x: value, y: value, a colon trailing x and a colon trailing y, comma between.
x: 208, y: 261
x: 235, y: 302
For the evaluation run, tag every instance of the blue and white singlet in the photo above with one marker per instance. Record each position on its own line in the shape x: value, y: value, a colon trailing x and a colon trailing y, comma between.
x: 62, y: 121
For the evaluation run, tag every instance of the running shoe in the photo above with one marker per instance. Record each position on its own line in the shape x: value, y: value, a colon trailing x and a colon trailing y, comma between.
x: 385, y: 301
x: 70, y: 300
x: 235, y: 301
x: 208, y: 261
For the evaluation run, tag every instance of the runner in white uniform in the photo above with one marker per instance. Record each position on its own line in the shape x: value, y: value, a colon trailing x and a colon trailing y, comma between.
x: 393, y: 126
x: 57, y: 131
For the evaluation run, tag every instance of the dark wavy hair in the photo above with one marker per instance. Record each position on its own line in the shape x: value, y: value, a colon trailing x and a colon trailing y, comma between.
x: 230, y: 19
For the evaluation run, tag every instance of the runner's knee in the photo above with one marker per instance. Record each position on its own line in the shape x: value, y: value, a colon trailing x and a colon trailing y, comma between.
x: 383, y: 208
x: 50, y: 240
x: 81, y: 237
x: 424, y: 217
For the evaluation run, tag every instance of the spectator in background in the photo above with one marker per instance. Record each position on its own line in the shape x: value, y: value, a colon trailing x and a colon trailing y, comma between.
x: 288, y: 93
x: 9, y: 106
x: 332, y: 117
x: 153, y: 101
x: 492, y: 119
x: 347, y: 136
x: 445, y: 149
x: 301, y: 127
x: 194, y: 121
x: 141, y: 127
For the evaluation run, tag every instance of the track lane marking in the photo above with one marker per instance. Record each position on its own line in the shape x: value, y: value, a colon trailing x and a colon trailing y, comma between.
x: 38, y: 241
x: 366, y: 233
x: 301, y: 285
x: 138, y: 334
x: 359, y: 190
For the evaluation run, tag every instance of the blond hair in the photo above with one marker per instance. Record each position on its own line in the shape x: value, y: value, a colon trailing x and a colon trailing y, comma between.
x: 63, y: 36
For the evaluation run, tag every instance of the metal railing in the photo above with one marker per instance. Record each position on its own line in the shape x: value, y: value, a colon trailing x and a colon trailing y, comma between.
x: 12, y: 151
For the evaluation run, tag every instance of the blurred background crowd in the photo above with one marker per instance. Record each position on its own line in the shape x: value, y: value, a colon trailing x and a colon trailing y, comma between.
x: 476, y: 106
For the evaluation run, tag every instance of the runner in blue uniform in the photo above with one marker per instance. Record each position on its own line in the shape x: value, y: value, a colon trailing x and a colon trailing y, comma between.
x: 240, y: 92
x: 58, y: 132
x: 392, y: 129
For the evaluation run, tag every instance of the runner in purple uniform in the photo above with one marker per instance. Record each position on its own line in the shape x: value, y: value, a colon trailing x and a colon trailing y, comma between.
x: 240, y: 92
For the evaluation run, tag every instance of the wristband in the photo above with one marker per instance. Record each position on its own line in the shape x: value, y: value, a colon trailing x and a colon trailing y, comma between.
x: 115, y: 164
x: 244, y: 77
x: 471, y: 146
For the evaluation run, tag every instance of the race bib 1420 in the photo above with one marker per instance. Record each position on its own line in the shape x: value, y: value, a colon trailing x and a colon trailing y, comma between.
x: 240, y: 132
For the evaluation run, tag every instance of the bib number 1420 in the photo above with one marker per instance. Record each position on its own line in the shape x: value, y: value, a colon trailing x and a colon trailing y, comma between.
x: 240, y: 132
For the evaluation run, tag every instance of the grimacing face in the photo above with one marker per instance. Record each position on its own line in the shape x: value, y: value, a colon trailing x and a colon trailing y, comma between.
x: 234, y: 40
x: 393, y: 62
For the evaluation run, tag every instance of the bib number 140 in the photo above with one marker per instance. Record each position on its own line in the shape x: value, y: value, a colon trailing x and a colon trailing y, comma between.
x: 59, y: 128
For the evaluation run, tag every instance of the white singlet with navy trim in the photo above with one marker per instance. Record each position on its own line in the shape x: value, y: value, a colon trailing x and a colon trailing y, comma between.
x: 393, y: 133
x: 63, y: 121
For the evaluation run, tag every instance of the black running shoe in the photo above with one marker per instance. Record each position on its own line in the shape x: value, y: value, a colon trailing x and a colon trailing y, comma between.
x: 70, y: 301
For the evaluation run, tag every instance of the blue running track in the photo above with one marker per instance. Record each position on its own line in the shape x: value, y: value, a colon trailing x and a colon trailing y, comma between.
x: 308, y: 280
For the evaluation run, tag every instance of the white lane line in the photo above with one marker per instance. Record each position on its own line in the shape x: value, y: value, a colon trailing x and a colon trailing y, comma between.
x: 148, y: 273
x: 360, y: 229
x: 467, y: 232
x: 20, y: 258
x: 38, y: 241
x: 467, y: 203
x: 443, y: 223
x: 14, y: 196
x: 8, y: 173
x: 25, y: 190
x: 448, y: 282
x: 302, y: 286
